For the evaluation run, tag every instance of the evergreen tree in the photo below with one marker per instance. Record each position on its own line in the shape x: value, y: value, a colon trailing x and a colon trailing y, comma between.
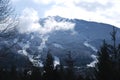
x: 113, y: 47
x: 108, y: 66
x: 56, y: 75
x: 80, y: 78
x: 25, y: 75
x: 61, y: 71
x: 48, y: 67
x: 70, y: 75
x: 36, y: 74
x: 115, y: 54
x: 13, y: 73
x: 118, y: 62
x: 104, y: 70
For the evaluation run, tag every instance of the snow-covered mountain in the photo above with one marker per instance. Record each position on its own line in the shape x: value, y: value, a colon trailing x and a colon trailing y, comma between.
x: 61, y: 35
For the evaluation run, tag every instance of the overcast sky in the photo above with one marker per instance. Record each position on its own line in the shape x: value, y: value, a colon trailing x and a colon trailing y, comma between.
x: 106, y: 11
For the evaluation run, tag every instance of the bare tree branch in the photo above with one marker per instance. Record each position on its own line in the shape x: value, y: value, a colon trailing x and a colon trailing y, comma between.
x: 7, y: 18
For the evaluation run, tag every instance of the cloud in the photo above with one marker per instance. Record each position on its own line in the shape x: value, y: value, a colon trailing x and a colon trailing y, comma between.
x: 14, y: 1
x: 42, y: 1
x: 52, y: 25
x: 29, y: 20
x: 94, y: 6
x: 106, y: 11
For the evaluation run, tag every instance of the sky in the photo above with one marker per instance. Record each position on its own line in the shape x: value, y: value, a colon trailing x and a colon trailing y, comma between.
x: 105, y: 11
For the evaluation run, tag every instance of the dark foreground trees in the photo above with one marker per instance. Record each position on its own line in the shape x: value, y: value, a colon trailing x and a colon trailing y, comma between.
x: 104, y: 65
x: 108, y: 66
x: 70, y: 73
x: 48, y: 67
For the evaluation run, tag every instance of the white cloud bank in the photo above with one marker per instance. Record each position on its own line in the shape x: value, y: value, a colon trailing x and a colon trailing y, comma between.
x: 29, y: 22
x: 106, y: 11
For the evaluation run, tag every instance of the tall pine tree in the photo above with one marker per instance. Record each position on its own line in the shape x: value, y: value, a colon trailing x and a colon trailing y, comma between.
x: 48, y: 67
x: 104, y: 70
x: 115, y: 54
x: 70, y: 75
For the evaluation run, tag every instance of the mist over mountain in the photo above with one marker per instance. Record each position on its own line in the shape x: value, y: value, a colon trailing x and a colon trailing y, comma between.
x: 60, y: 35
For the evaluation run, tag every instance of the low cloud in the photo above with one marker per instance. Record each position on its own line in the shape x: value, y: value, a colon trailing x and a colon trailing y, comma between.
x: 51, y: 25
x: 29, y: 22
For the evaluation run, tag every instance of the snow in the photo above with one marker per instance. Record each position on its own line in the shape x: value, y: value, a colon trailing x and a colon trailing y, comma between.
x: 86, y: 43
x: 56, y: 61
x: 43, y: 43
x: 36, y: 62
x: 58, y: 45
x: 92, y: 64
x: 94, y: 57
x: 15, y: 40
x: 22, y: 52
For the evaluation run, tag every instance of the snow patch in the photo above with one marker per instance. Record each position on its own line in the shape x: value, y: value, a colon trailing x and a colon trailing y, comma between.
x: 43, y: 43
x: 93, y: 63
x: 56, y: 61
x: 94, y: 57
x: 58, y: 45
x: 35, y: 60
x: 86, y: 43
x: 22, y: 52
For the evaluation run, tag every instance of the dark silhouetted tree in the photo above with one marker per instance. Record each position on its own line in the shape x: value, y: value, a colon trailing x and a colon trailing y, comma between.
x: 118, y: 74
x: 104, y: 70
x: 70, y: 75
x: 61, y: 71
x: 13, y: 73
x: 80, y: 77
x: 114, y: 49
x: 36, y: 74
x: 48, y: 67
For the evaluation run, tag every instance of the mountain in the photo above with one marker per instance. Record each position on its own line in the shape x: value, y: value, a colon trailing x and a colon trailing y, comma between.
x: 61, y: 35
x: 83, y: 42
